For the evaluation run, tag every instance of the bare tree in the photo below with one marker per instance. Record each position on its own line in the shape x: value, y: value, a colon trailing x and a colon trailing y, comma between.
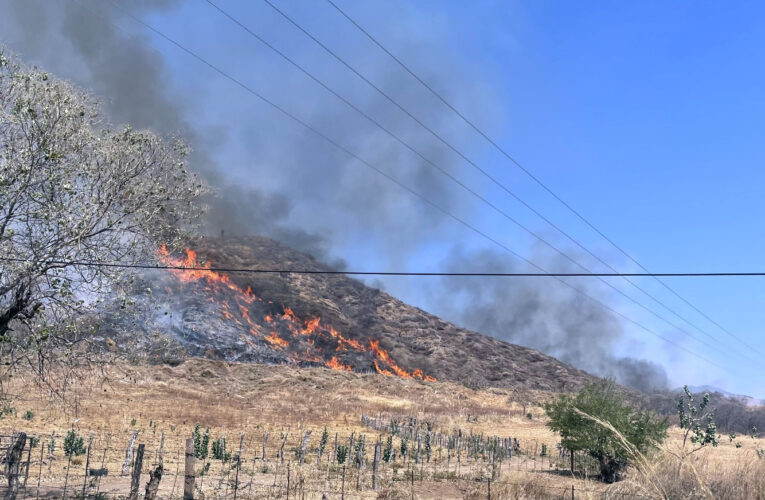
x: 75, y: 198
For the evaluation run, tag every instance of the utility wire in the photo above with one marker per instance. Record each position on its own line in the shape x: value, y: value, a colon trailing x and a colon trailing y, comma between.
x: 495, y: 181
x: 540, y: 183
x: 454, y: 179
x: 372, y: 273
x: 400, y: 184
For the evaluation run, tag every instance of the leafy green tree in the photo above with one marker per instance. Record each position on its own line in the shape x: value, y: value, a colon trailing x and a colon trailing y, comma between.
x: 73, y: 190
x: 599, y: 422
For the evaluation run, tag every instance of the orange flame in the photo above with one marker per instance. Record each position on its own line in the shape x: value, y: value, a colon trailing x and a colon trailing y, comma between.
x: 188, y: 270
x: 275, y: 340
x: 336, y: 365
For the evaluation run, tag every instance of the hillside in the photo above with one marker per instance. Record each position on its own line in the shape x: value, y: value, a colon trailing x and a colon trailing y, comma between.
x: 313, y: 320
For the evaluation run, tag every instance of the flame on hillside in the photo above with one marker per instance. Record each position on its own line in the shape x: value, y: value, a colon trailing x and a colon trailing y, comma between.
x: 305, y: 340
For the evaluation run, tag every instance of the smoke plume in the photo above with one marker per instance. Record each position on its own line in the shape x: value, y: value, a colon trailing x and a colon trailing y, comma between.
x: 543, y: 314
x: 274, y: 178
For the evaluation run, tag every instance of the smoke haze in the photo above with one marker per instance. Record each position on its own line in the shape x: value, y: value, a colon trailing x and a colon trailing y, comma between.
x: 273, y: 178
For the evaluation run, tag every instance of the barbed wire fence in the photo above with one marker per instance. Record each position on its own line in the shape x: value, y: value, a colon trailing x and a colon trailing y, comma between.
x: 278, y: 463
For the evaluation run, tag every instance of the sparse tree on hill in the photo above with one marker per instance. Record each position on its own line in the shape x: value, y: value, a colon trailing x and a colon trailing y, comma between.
x: 74, y: 192
x: 599, y: 422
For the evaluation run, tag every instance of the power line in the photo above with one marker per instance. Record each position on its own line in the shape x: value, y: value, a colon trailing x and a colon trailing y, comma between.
x: 546, y: 188
x: 453, y: 178
x: 374, y: 273
x: 400, y: 184
x: 504, y: 187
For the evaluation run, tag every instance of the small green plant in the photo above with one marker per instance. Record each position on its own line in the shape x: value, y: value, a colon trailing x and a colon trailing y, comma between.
x: 342, y: 454
x: 29, y: 415
x: 544, y: 450
x: 529, y: 416
x: 6, y: 410
x: 753, y: 432
x: 34, y: 441
x: 323, y: 441
x: 388, y: 450
x: 74, y: 445
x: 404, y: 446
x: 219, y: 450
x: 760, y: 453
x: 359, y: 451
x: 201, y: 442
x: 394, y: 427
x: 732, y: 436
x: 738, y: 444
x: 133, y: 422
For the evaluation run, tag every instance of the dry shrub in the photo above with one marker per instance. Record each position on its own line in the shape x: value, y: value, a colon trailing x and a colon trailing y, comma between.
x: 392, y: 493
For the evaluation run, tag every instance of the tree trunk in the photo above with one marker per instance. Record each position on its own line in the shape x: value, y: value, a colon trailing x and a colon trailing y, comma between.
x: 609, y: 469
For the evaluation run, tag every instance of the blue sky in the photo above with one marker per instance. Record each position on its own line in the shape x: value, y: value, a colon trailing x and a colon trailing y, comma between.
x: 645, y: 116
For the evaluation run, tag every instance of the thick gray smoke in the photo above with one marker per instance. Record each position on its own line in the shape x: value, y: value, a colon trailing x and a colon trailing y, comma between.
x: 543, y: 314
x: 295, y: 187
x: 274, y: 178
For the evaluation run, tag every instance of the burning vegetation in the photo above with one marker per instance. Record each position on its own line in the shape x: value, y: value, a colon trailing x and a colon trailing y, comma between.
x: 305, y: 341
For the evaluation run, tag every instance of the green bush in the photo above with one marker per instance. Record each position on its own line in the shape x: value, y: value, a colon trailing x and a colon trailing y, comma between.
x: 342, y: 453
x: 29, y: 415
x: 201, y: 442
x: 388, y: 451
x: 74, y: 445
x: 574, y: 417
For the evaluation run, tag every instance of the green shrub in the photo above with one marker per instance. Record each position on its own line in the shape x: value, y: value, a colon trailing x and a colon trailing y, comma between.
x: 29, y: 415
x: 74, y: 445
x: 219, y: 450
x: 342, y: 453
x: 201, y: 442
x: 388, y: 450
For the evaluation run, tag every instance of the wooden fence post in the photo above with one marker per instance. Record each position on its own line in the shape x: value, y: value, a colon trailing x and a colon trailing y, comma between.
x: 129, y: 454
x: 103, y: 462
x: 238, y: 465
x: 39, y: 475
x: 304, y: 446
x: 66, y: 480
x: 161, y: 453
x: 26, y: 469
x: 288, y: 480
x: 265, y: 441
x: 152, y: 486
x: 375, y: 465
x: 188, y: 483
x: 281, y: 449
x: 488, y: 488
x: 12, y: 465
x: 342, y: 488
x: 87, y: 465
x: 135, y: 480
